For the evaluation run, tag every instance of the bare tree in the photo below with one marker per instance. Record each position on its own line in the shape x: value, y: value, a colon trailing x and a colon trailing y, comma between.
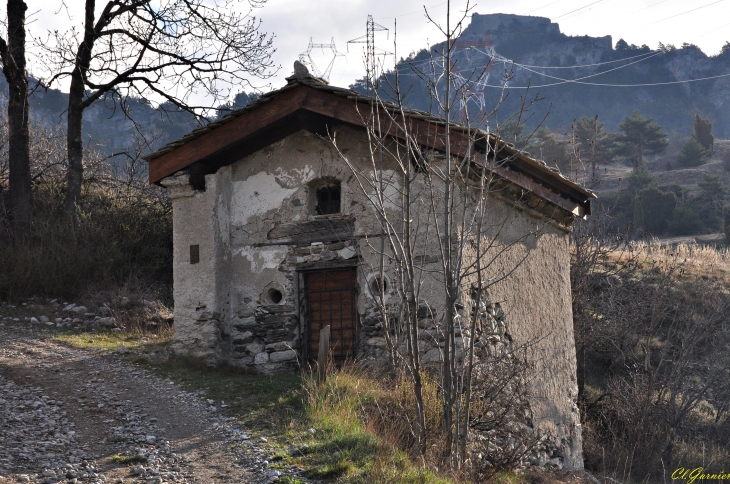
x: 12, y: 53
x: 443, y: 241
x: 174, y: 50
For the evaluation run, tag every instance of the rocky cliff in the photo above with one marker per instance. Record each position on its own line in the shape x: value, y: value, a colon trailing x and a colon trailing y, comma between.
x: 584, y: 74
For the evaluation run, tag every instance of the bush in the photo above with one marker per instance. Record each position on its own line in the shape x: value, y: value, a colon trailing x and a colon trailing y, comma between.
x: 653, y: 208
x: 113, y: 240
x: 651, y: 337
x: 693, y: 154
x: 686, y: 219
x: 123, y: 229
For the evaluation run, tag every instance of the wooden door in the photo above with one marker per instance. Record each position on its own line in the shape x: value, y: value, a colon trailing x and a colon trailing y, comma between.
x: 331, y: 299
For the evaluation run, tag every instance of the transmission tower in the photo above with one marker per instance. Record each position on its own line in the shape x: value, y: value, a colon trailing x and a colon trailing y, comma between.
x: 369, y: 40
x: 306, y: 58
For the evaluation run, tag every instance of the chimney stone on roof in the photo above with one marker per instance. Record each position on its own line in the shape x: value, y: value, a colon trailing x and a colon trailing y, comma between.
x: 300, y: 70
x: 301, y: 73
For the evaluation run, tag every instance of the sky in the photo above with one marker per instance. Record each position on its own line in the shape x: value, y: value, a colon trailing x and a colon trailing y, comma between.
x: 636, y: 21
x: 705, y: 23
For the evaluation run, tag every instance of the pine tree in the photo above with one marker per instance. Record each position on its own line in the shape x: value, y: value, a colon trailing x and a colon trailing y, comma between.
x: 702, y: 133
x: 653, y: 209
x: 640, y: 137
x: 692, y: 154
x: 594, y: 143
x: 545, y: 146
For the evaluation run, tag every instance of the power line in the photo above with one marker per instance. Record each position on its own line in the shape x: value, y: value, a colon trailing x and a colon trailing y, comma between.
x: 540, y: 24
x: 581, y: 8
x: 414, y: 12
x: 592, y: 75
x: 579, y: 80
x: 645, y: 54
x: 714, y: 30
x: 688, y: 11
x: 540, y: 8
x: 649, y: 6
x: 648, y: 84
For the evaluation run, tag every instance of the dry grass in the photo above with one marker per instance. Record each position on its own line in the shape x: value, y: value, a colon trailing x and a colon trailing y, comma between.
x: 364, y: 424
x: 651, y: 333
x: 707, y: 262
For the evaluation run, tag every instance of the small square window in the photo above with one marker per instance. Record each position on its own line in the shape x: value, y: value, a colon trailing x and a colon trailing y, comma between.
x: 194, y: 254
x: 328, y: 200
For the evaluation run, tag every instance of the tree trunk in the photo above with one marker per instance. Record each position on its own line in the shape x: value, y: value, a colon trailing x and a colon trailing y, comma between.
x: 13, y: 56
x: 76, y: 106
x: 75, y: 147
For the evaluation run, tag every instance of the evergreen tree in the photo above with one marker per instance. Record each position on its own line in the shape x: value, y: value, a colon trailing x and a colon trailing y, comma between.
x: 512, y: 131
x: 640, y: 178
x: 653, y: 209
x: 702, y: 133
x: 640, y: 137
x: 545, y: 146
x: 692, y: 154
x: 594, y: 143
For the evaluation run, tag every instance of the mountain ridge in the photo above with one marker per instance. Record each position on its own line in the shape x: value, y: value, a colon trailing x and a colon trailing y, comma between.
x: 522, y: 43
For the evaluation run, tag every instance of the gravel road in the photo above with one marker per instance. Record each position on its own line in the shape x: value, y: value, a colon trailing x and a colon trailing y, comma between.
x: 71, y: 415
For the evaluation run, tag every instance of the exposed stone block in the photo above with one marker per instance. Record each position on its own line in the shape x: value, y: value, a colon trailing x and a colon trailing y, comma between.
x: 243, y: 338
x: 272, y: 368
x: 278, y: 346
x: 254, y: 348
x: 279, y: 334
x: 245, y: 324
x: 378, y: 342
x: 242, y: 361
x: 279, y: 356
x: 245, y: 312
x: 277, y: 308
x: 261, y: 358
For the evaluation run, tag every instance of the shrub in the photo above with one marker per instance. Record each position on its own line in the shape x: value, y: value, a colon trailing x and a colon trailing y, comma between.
x: 702, y: 133
x: 653, y: 208
x: 651, y: 335
x: 123, y: 229
x: 686, y: 220
x: 693, y: 154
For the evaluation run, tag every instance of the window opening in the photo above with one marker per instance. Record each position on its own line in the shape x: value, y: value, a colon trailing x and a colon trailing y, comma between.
x: 375, y: 286
x: 328, y: 200
x: 275, y: 296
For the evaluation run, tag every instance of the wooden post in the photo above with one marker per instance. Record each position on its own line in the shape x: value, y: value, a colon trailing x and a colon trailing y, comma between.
x: 324, y: 352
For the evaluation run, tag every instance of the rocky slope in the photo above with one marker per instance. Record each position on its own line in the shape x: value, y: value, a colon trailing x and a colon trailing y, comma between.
x: 536, y: 41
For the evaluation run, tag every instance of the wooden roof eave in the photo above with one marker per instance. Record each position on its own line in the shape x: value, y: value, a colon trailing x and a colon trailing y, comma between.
x: 340, y: 106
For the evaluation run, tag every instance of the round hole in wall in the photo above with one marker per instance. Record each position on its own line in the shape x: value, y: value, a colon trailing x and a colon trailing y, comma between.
x: 375, y: 286
x: 275, y: 296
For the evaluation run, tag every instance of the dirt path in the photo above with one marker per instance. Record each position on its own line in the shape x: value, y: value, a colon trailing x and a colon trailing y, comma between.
x: 70, y: 415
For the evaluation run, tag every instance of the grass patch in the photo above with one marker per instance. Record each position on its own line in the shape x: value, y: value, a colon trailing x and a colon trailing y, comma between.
x: 357, y: 436
x: 290, y: 480
x: 127, y: 459
x: 137, y: 341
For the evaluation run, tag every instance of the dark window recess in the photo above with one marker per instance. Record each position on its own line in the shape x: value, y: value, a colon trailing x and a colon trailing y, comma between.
x: 328, y: 200
x: 194, y: 254
x: 275, y: 296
